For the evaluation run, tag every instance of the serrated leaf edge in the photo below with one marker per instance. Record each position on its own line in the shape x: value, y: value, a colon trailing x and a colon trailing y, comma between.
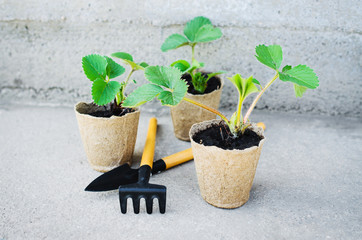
x: 306, y: 67
x: 85, y: 57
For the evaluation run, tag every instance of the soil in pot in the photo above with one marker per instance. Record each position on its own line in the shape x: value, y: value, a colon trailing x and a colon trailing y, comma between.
x: 225, y: 176
x: 219, y: 135
x: 109, y: 110
x: 213, y: 84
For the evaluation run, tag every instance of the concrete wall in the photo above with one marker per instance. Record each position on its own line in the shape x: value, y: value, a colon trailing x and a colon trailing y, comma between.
x: 42, y: 43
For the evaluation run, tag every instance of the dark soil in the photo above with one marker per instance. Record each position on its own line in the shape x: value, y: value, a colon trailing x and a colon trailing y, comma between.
x: 212, y: 85
x: 219, y: 135
x: 110, y: 110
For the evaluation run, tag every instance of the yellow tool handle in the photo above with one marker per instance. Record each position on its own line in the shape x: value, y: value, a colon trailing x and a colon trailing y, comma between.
x: 178, y: 158
x: 261, y: 124
x: 149, y: 149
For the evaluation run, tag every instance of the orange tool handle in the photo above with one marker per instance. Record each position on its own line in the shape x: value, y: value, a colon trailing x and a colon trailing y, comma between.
x: 149, y: 149
x: 261, y: 124
x: 178, y: 158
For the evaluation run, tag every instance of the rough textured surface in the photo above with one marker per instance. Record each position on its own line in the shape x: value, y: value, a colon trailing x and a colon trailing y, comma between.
x: 224, y: 176
x: 185, y: 114
x: 307, y: 185
x: 42, y: 44
x: 108, y: 142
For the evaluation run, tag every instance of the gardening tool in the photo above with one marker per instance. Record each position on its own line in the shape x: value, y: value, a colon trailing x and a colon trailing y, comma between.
x: 124, y: 174
x: 261, y: 124
x: 143, y: 189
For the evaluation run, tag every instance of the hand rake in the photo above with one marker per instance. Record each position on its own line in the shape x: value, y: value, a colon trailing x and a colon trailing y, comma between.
x: 143, y: 189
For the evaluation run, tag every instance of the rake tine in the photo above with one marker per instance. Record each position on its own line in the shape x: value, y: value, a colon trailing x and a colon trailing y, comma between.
x: 136, y: 204
x: 162, y: 203
x: 123, y: 202
x: 149, y: 204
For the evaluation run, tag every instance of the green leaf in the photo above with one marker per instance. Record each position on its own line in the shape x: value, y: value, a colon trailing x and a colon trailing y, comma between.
x: 199, y: 82
x: 133, y: 65
x: 142, y: 95
x: 210, y: 75
x: 178, y: 91
x: 182, y: 65
x: 174, y: 97
x: 299, y: 90
x: 135, y: 82
x: 194, y: 65
x: 143, y: 64
x: 167, y: 85
x: 174, y: 41
x: 207, y: 33
x: 270, y: 56
x: 256, y: 81
x: 123, y: 55
x: 286, y: 68
x: 104, y: 92
x: 193, y: 26
x: 163, y: 76
x: 170, y: 78
x: 113, y: 68
x: 244, y: 86
x: 167, y: 98
x: 197, y: 64
x: 301, y: 75
x: 128, y: 59
x: 94, y: 66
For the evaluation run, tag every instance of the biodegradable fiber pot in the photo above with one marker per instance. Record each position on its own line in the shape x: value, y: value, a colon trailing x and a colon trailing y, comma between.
x: 185, y: 114
x: 108, y: 142
x: 225, y: 177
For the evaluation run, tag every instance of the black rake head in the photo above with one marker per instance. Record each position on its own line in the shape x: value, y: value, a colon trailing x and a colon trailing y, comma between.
x: 140, y: 190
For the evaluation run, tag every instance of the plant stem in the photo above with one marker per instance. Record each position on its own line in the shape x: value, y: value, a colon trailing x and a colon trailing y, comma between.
x: 192, y: 60
x: 258, y: 97
x: 193, y: 52
x: 118, y: 99
x: 238, y: 114
x: 126, y: 82
x: 207, y: 108
x: 129, y: 76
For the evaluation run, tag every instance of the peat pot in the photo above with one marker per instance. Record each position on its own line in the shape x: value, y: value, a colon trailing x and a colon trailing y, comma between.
x: 185, y: 114
x: 108, y: 142
x: 225, y: 177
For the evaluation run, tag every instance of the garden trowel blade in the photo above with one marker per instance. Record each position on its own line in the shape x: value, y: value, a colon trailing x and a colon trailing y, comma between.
x: 111, y: 180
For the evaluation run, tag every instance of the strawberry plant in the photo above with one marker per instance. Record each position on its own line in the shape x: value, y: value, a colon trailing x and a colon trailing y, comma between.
x: 101, y: 69
x: 170, y: 89
x: 196, y: 31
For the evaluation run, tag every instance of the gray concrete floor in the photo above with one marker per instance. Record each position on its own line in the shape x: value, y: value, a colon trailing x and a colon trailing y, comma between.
x: 308, y: 183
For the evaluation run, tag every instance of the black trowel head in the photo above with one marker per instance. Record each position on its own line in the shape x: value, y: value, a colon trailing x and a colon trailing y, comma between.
x: 111, y: 180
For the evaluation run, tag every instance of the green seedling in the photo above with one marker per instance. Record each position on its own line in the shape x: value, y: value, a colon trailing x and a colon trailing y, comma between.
x: 196, y: 31
x: 166, y: 85
x: 101, y: 69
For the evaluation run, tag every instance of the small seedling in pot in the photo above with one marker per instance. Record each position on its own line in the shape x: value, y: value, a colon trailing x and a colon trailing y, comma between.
x: 166, y: 85
x: 196, y: 31
x: 101, y: 69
